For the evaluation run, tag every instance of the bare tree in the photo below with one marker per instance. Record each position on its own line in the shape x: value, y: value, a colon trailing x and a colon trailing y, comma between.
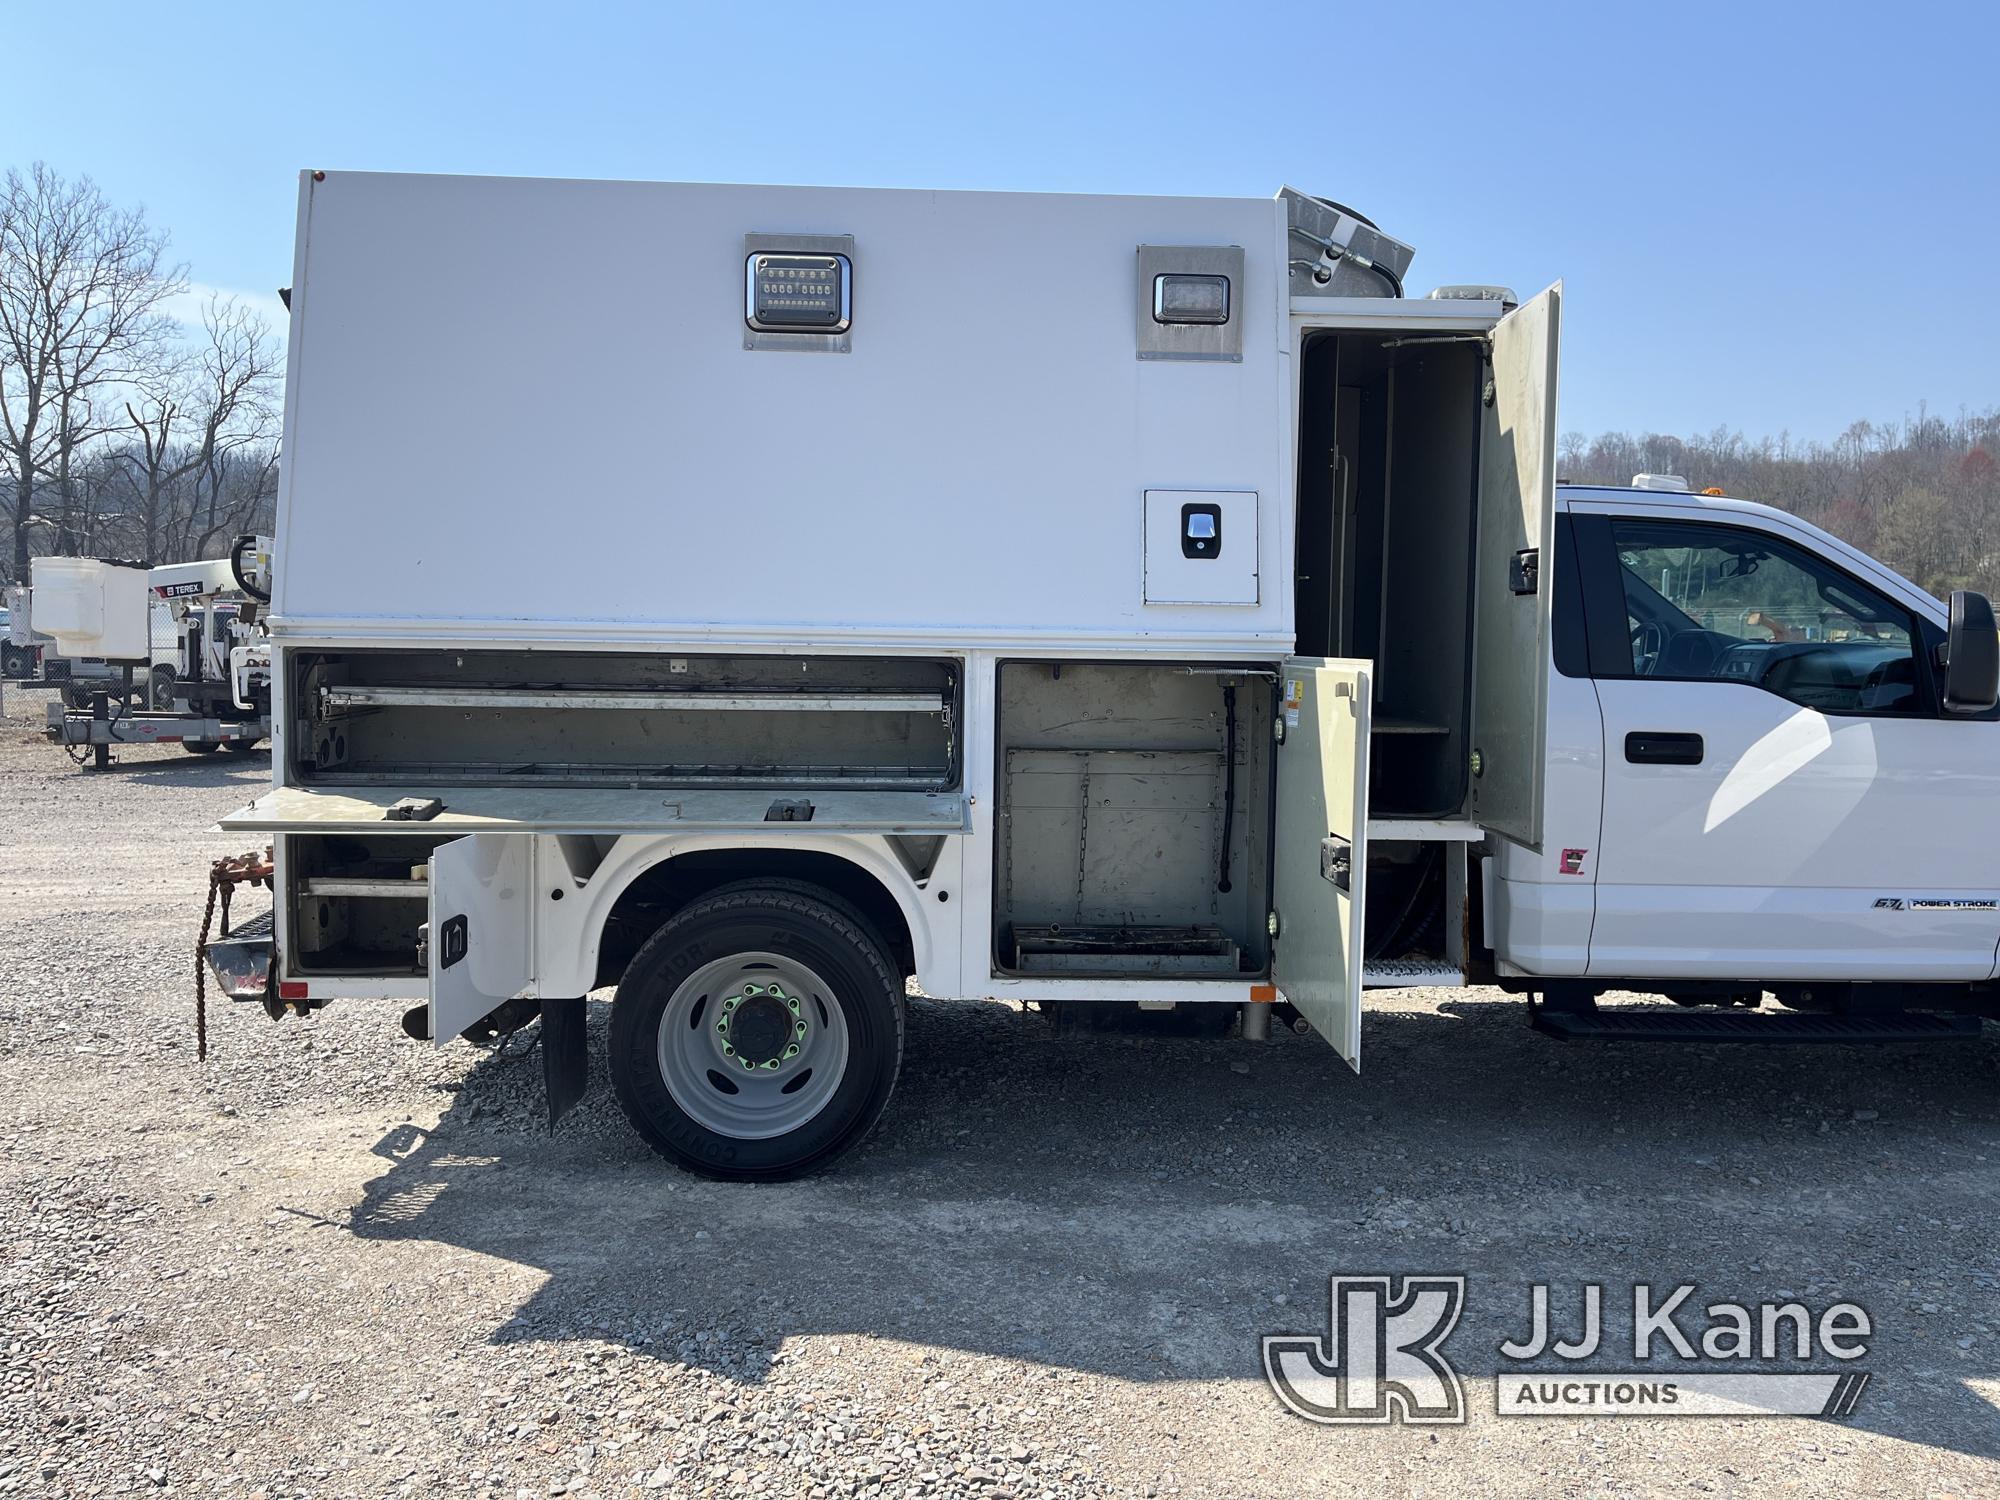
x: 156, y: 456
x: 236, y: 456
x: 81, y: 288
x: 1922, y: 495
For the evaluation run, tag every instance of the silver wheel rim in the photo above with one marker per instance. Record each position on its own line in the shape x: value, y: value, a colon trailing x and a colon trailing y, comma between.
x: 729, y: 1060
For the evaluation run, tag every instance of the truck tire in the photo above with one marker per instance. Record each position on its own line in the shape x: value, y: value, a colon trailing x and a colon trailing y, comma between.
x: 200, y: 747
x: 758, y: 1034
x: 242, y: 747
x: 160, y: 689
x: 16, y: 661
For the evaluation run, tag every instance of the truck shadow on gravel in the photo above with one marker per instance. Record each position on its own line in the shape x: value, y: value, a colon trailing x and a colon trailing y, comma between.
x: 225, y: 768
x: 1139, y: 1208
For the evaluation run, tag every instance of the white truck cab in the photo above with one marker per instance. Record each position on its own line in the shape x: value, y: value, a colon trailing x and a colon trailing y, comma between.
x: 1757, y: 775
x: 1068, y: 600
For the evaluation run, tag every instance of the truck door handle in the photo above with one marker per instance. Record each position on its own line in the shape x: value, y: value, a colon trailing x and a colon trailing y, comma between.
x: 1658, y: 747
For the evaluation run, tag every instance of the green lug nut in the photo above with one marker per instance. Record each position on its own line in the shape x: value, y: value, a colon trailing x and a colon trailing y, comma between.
x: 793, y: 1050
x: 800, y: 1029
x: 728, y: 1051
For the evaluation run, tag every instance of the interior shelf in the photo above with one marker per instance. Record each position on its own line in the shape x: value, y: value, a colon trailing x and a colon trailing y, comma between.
x: 345, y: 696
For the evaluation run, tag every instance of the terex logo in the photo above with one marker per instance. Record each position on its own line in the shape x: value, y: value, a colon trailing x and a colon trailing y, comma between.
x: 1380, y: 1360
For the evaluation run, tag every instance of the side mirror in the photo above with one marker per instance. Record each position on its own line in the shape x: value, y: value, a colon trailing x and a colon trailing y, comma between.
x: 1972, y: 655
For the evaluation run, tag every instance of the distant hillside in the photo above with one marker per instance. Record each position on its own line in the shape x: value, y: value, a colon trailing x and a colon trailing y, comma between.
x: 1923, y: 496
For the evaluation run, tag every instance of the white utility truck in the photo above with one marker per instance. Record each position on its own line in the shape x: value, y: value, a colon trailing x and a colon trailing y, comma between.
x: 181, y: 650
x: 789, y: 593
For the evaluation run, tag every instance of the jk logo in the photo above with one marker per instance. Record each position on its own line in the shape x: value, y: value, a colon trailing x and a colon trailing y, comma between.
x: 1380, y: 1359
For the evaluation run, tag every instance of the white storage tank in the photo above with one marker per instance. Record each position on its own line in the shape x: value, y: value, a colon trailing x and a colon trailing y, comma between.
x: 93, y: 608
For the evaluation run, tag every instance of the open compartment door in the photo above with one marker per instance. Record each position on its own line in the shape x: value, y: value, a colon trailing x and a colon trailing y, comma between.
x: 1513, y: 587
x: 1322, y: 858
x: 481, y: 928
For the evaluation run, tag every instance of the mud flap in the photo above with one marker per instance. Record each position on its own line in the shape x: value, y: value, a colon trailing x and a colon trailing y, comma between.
x: 565, y: 1055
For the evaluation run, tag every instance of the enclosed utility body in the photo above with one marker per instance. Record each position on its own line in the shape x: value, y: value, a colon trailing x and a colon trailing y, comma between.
x: 963, y: 570
x: 1060, y: 599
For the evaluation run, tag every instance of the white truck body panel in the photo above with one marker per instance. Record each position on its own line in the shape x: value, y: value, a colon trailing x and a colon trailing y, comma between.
x: 690, y: 488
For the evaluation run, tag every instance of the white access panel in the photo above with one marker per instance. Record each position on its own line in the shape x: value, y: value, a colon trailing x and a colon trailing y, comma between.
x: 1201, y: 547
x: 482, y: 895
x: 518, y: 403
x: 1320, y: 865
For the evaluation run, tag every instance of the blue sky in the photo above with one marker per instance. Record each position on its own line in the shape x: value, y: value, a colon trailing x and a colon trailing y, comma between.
x: 1772, y: 218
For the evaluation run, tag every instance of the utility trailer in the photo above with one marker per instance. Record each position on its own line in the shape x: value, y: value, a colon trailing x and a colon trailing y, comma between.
x: 1068, y: 600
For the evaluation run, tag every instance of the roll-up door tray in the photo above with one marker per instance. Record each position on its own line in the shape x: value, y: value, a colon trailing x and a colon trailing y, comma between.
x: 600, y: 810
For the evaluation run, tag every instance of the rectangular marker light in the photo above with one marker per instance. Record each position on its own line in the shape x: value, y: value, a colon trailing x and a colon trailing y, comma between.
x: 1185, y: 298
x: 798, y: 293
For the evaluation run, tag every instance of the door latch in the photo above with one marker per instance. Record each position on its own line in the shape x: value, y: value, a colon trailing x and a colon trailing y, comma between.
x: 1336, y: 860
x: 454, y: 937
x: 1201, y: 531
x: 1524, y: 571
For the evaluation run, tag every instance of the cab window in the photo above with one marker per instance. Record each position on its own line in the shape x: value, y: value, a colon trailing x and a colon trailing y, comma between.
x: 1725, y: 604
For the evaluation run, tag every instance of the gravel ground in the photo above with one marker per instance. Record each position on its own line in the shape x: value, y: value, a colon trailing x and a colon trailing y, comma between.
x: 332, y: 1263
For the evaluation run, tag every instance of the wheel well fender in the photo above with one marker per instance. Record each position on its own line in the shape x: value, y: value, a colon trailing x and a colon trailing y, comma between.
x: 635, y: 889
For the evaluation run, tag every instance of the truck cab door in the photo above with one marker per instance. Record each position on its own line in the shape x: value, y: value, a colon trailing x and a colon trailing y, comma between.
x: 1783, y: 796
x: 1321, y: 846
x: 481, y: 945
x: 1511, y: 599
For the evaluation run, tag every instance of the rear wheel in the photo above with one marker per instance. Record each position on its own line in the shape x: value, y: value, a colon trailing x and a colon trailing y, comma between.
x: 160, y: 689
x: 757, y: 1034
x: 242, y: 747
x: 200, y: 747
x: 16, y: 661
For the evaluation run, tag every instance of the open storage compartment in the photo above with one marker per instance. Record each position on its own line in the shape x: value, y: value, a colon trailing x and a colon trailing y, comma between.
x: 1388, y: 494
x: 358, y: 901
x: 1133, y: 828
x: 605, y: 719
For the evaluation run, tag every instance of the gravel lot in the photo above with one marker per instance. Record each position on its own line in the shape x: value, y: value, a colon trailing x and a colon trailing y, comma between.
x: 331, y: 1262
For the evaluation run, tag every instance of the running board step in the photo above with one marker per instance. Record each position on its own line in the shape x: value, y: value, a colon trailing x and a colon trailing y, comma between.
x: 1747, y: 1026
x: 1411, y: 974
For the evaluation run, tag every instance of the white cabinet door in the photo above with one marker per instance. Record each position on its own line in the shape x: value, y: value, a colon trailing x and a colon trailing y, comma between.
x: 1322, y: 864
x: 1511, y: 599
x: 481, y: 928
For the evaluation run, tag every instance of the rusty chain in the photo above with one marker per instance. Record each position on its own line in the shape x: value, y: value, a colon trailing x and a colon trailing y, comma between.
x: 224, y: 876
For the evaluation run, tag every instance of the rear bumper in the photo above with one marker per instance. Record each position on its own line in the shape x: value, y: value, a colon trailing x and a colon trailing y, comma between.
x: 241, y: 966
